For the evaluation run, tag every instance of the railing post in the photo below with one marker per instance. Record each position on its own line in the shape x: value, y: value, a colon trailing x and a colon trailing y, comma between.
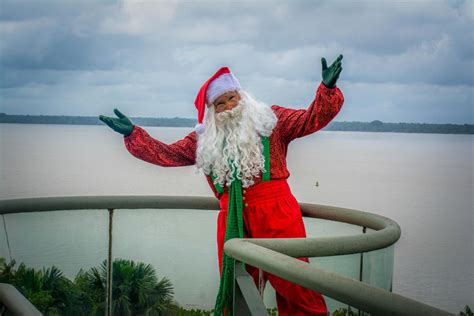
x: 109, y: 300
x: 247, y: 299
x: 361, y: 268
x: 6, y: 236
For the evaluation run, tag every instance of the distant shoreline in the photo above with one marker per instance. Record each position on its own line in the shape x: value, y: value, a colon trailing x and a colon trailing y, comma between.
x: 374, y: 126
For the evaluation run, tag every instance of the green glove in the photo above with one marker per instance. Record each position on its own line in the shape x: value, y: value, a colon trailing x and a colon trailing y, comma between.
x: 121, y: 125
x: 331, y: 73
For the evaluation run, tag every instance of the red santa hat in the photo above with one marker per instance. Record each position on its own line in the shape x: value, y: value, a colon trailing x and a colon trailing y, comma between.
x: 221, y: 82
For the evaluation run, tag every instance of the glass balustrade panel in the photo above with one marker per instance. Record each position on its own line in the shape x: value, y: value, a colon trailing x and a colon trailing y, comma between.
x: 74, y: 242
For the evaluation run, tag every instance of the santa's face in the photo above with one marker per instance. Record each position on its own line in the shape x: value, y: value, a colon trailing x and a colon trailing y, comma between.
x: 226, y: 101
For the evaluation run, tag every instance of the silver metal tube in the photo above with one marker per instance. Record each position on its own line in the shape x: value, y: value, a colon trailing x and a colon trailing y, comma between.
x: 387, y: 234
x: 109, y: 300
x: 360, y: 295
x: 15, y: 302
x: 63, y: 203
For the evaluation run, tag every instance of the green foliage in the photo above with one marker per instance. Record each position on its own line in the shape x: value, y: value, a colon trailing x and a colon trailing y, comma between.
x: 374, y: 126
x: 467, y: 311
x: 93, y: 120
x: 378, y: 126
x: 47, y: 289
x: 344, y: 312
x: 193, y: 312
x: 136, y: 289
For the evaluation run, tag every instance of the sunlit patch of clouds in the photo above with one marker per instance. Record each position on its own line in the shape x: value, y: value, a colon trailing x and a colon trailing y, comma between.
x: 139, y: 17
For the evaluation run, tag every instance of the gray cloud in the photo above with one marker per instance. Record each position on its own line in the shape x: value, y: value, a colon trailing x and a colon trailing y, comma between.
x: 403, y: 61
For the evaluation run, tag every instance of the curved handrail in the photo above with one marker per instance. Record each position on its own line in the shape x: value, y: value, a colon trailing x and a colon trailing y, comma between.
x: 15, y: 303
x: 363, y: 296
x: 387, y: 231
x: 62, y: 203
x: 272, y: 255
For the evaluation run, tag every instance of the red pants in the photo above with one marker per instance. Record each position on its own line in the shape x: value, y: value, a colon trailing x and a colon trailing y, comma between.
x: 271, y: 211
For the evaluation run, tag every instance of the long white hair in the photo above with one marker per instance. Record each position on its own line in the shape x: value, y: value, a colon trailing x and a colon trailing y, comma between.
x: 231, y: 141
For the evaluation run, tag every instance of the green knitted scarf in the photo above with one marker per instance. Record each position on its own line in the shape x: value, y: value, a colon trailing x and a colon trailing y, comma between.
x: 234, y: 229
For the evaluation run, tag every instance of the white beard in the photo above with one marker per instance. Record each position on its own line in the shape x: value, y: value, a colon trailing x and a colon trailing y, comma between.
x: 231, y: 141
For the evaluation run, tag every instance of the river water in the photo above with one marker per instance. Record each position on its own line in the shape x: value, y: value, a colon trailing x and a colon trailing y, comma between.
x: 422, y: 181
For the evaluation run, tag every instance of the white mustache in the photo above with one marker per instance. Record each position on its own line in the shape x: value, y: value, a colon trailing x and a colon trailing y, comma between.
x: 229, y: 114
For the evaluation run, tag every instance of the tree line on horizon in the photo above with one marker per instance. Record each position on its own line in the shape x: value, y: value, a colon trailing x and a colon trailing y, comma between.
x: 352, y: 126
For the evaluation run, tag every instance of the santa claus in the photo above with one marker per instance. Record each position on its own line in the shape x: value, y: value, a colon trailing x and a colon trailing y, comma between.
x: 240, y: 144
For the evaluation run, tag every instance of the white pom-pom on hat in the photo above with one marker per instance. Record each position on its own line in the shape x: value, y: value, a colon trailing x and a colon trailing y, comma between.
x: 200, y: 128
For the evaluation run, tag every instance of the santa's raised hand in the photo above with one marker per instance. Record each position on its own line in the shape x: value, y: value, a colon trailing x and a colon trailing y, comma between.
x: 121, y: 125
x: 331, y: 73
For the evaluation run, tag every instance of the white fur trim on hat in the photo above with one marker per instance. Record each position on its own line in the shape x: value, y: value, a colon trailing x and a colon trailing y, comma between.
x: 199, y: 128
x: 222, y: 84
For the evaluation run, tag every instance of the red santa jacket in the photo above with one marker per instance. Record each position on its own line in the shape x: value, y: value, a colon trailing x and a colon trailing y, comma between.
x: 291, y: 124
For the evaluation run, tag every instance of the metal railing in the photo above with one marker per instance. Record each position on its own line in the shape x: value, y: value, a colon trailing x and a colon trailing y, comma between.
x: 12, y: 302
x: 275, y: 256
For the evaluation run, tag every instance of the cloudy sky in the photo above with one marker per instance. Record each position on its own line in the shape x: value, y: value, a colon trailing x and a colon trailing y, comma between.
x: 404, y: 61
